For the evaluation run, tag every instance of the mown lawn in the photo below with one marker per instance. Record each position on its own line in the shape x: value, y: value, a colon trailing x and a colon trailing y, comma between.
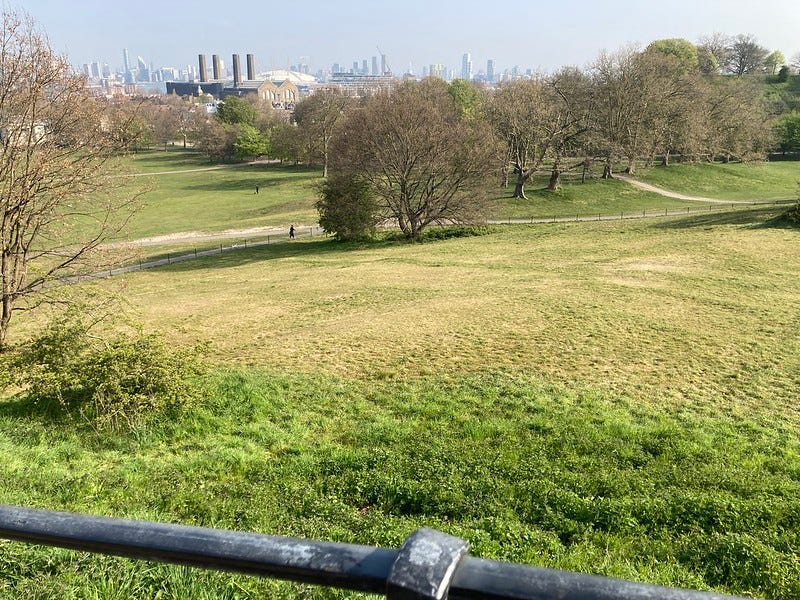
x: 757, y: 181
x: 615, y: 398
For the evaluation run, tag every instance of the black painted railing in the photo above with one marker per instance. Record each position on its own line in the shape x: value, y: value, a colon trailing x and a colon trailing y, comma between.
x: 429, y: 565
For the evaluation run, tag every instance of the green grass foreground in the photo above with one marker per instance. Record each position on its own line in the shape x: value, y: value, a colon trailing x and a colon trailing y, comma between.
x: 615, y: 398
x: 526, y: 471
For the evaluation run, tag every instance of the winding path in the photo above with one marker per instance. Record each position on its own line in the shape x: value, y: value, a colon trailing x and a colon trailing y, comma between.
x: 661, y: 191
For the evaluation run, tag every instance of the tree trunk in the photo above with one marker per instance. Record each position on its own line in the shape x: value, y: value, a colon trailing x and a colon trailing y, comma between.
x: 504, y: 182
x: 631, y: 168
x: 555, y: 179
x: 585, y: 171
x: 665, y: 160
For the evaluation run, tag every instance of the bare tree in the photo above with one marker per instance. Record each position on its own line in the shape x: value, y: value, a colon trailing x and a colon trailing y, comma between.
x: 523, y: 114
x: 714, y: 53
x: 319, y: 117
x: 423, y: 162
x: 746, y: 56
x: 56, y: 206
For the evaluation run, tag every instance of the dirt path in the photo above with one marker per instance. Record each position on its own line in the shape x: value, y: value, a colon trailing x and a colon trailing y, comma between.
x: 661, y: 191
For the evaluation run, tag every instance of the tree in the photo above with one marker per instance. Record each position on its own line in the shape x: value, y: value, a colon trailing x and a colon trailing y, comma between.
x: 788, y: 133
x: 523, y: 114
x: 56, y: 206
x: 347, y: 207
x: 250, y: 142
x: 746, y: 56
x: 714, y: 53
x: 235, y: 111
x: 319, y: 117
x: 423, y: 163
x: 684, y: 52
x: 774, y: 61
x: 795, y: 64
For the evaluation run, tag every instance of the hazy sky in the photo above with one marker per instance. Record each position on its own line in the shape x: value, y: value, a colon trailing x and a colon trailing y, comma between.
x: 542, y: 35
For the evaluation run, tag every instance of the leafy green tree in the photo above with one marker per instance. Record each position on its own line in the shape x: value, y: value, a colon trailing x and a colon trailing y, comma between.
x: 469, y: 98
x: 783, y: 74
x: 347, y: 207
x: 684, y: 52
x: 773, y: 61
x: 788, y: 133
x: 250, y: 142
x: 236, y: 111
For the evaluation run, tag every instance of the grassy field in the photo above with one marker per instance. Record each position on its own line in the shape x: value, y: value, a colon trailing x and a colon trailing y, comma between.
x: 185, y: 199
x: 757, y: 181
x: 615, y: 398
x: 219, y: 199
x: 607, y: 397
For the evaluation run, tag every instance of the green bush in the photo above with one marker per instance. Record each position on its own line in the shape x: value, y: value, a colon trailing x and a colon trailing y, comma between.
x: 347, y: 208
x: 116, y: 383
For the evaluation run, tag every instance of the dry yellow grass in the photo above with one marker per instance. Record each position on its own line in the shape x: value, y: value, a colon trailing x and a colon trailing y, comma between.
x: 687, y: 309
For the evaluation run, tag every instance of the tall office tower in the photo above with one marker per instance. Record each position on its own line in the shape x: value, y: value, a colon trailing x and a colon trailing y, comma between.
x: 126, y: 60
x: 490, y: 70
x: 201, y: 65
x: 383, y: 64
x: 251, y: 67
x: 216, y: 67
x: 466, y: 66
x: 336, y: 68
x: 237, y: 71
x: 364, y: 68
x: 143, y: 71
x: 375, y: 65
x: 355, y: 66
x: 437, y: 70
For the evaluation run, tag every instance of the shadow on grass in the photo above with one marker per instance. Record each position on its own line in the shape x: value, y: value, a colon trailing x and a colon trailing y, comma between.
x: 312, y: 248
x: 278, y: 250
x: 243, y: 180
x: 27, y: 407
x: 760, y: 217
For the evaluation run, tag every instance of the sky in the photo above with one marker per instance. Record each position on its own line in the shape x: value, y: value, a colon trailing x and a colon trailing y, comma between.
x: 540, y: 35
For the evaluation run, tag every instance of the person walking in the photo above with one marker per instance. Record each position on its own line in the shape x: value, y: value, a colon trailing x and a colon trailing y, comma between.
x: 291, y: 232
x: 256, y: 190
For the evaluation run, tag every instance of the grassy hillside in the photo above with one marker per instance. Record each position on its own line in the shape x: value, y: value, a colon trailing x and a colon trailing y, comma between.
x: 754, y: 181
x: 615, y: 398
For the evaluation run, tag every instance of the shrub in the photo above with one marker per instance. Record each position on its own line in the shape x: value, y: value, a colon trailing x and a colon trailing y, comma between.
x: 113, y: 384
x: 347, y: 208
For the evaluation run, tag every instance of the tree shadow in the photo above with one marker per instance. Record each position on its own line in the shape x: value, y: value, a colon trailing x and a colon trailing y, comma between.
x: 243, y: 181
x: 240, y: 255
x: 759, y: 217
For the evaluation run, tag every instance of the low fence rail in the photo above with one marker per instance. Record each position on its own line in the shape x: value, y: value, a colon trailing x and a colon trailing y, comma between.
x: 429, y: 565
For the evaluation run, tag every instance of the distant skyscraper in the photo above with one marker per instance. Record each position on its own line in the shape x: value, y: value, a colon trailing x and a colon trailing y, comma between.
x: 375, y: 65
x: 126, y: 60
x: 355, y: 66
x: 466, y: 66
x: 437, y: 70
x: 383, y: 64
x: 364, y: 68
x: 490, y: 70
x: 336, y: 68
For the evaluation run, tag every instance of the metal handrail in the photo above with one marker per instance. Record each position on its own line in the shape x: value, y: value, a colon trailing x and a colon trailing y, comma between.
x: 429, y: 566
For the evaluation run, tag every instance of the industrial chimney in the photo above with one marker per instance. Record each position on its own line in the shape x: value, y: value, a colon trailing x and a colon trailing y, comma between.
x: 215, y: 65
x: 251, y: 68
x: 201, y: 59
x: 237, y: 71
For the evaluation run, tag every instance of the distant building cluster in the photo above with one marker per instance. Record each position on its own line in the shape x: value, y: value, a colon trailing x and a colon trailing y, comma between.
x: 281, y: 87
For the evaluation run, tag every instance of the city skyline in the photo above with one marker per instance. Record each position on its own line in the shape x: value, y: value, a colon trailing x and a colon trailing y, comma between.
x: 532, y: 37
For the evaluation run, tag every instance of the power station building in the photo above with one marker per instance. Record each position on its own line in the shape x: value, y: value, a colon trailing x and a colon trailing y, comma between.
x: 282, y: 94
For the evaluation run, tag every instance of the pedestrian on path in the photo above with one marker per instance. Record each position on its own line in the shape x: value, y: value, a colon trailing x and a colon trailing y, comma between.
x: 291, y: 232
x: 256, y: 189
